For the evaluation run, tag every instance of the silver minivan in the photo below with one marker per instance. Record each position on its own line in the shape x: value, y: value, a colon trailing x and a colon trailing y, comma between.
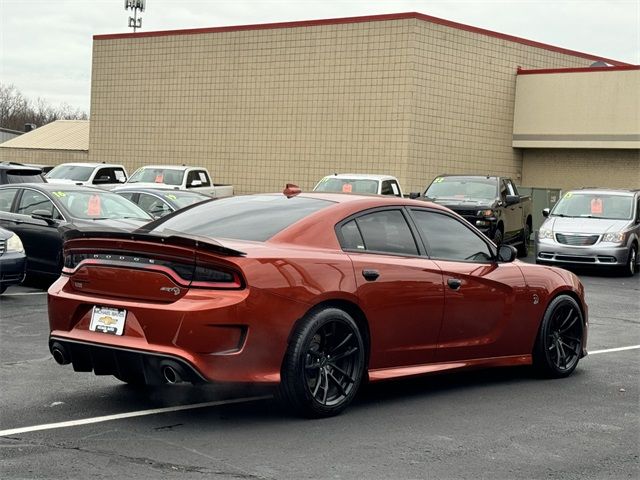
x: 598, y: 227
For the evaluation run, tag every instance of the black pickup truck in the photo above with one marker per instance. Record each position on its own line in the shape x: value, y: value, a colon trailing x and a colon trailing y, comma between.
x: 491, y: 204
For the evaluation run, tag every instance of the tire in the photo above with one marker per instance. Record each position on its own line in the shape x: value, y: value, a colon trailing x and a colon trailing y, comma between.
x: 631, y: 268
x: 523, y: 250
x: 558, y: 346
x: 324, y: 364
x: 497, y: 237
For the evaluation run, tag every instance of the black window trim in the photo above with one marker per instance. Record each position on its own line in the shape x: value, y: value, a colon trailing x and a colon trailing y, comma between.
x: 466, y: 224
x: 402, y: 209
x: 18, y: 199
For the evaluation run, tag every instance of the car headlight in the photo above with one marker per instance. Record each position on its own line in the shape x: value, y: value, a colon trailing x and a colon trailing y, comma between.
x: 614, y: 237
x: 485, y: 213
x: 14, y: 244
x: 545, y: 234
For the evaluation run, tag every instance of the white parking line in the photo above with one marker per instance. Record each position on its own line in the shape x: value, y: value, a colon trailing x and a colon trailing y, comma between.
x: 619, y: 349
x: 179, y: 408
x: 118, y: 416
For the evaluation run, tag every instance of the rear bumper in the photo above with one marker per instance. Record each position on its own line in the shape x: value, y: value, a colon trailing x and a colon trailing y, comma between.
x: 133, y: 366
x: 552, y: 252
x: 12, y: 268
x: 220, y: 336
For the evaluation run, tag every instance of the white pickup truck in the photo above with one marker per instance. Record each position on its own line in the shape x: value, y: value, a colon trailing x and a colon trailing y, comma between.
x: 360, y: 183
x: 196, y: 179
x: 103, y: 175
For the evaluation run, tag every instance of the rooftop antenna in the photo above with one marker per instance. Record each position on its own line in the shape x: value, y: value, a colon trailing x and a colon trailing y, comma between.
x: 135, y: 5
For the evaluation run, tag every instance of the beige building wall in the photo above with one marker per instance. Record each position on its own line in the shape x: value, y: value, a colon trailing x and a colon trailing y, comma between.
x: 42, y: 156
x: 597, y: 109
x: 264, y: 107
x: 575, y: 168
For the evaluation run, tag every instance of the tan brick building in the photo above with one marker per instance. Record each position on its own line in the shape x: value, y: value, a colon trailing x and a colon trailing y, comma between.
x: 405, y: 94
x: 57, y: 142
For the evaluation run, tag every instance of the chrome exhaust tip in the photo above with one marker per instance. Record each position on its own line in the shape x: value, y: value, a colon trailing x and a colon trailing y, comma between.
x: 171, y: 374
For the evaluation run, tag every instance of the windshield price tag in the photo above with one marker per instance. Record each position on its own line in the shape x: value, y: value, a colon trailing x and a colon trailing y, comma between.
x: 596, y: 206
x: 59, y: 194
x: 347, y: 188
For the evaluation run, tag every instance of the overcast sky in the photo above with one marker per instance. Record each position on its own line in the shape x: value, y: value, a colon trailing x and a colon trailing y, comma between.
x: 46, y: 44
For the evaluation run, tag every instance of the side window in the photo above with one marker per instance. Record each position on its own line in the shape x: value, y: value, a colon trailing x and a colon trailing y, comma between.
x: 120, y: 175
x: 386, y: 188
x: 511, y: 190
x: 450, y: 239
x: 6, y: 198
x: 395, y: 189
x: 153, y: 205
x: 503, y: 190
x: 387, y: 231
x: 104, y: 175
x: 32, y: 201
x: 638, y: 210
x: 127, y: 195
x: 351, y: 238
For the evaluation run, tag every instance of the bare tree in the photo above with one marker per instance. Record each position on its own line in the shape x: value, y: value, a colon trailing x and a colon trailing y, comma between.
x: 16, y: 110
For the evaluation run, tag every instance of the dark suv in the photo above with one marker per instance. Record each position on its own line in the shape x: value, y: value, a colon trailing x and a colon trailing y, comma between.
x: 17, y: 173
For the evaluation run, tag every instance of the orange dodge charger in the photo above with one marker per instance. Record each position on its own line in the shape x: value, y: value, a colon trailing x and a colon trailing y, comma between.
x: 314, y: 293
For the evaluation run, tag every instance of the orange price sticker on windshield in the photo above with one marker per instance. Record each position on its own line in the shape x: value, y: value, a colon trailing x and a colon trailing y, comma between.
x: 596, y: 206
x: 94, y: 209
x: 159, y: 178
x: 347, y: 188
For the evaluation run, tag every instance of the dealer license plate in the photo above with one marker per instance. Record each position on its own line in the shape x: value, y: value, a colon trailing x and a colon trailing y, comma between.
x: 108, y: 320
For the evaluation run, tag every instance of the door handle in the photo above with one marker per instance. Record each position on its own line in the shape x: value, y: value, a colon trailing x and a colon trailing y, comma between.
x: 370, y: 275
x: 454, y: 283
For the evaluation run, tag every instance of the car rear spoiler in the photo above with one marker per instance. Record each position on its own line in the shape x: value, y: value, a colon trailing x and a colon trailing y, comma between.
x: 178, y: 239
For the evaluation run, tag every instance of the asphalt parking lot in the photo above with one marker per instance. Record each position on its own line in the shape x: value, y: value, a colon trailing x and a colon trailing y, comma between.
x: 499, y: 424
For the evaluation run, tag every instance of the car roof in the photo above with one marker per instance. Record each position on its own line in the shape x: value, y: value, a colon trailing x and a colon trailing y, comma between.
x: 55, y: 187
x: 159, y: 191
x: 91, y: 164
x: 171, y: 167
x: 18, y: 166
x: 610, y: 191
x: 362, y: 176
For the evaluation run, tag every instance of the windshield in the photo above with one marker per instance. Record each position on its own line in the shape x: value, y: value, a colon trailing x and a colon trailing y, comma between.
x: 594, y: 205
x: 98, y: 205
x: 251, y: 217
x: 184, y: 199
x: 463, y: 188
x: 346, y: 185
x: 71, y: 172
x: 168, y: 176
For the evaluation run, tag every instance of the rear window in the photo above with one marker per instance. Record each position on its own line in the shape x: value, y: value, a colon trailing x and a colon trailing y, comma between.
x: 252, y: 217
x: 24, y: 176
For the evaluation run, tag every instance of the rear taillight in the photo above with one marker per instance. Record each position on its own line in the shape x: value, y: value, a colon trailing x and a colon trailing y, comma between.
x: 182, y: 272
x: 212, y: 276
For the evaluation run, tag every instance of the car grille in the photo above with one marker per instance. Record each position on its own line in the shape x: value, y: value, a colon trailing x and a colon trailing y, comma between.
x: 578, y: 240
x: 3, y: 246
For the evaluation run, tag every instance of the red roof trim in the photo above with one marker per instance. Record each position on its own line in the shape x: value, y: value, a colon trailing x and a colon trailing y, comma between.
x: 363, y: 19
x: 583, y: 69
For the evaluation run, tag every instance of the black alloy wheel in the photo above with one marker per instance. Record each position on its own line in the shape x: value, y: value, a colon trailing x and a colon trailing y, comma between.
x: 630, y: 268
x: 324, y: 364
x: 559, y: 344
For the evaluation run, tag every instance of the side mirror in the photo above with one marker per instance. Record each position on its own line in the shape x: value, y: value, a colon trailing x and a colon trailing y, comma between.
x: 43, y: 215
x: 511, y: 199
x: 507, y: 253
x: 545, y: 212
x: 414, y: 195
x: 195, y: 183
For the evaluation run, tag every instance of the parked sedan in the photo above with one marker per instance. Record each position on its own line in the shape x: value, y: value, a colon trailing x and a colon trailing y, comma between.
x: 160, y: 202
x: 311, y: 292
x: 38, y: 212
x: 13, y: 261
x: 594, y: 227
